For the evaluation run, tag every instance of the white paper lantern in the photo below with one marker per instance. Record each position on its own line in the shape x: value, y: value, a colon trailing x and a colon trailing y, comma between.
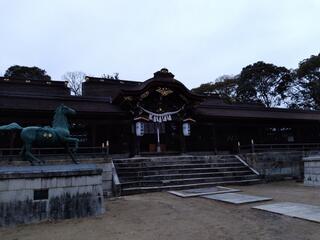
x: 139, y: 128
x: 186, y: 128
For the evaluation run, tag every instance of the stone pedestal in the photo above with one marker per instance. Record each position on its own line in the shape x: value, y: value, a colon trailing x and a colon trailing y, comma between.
x: 104, y: 164
x: 38, y: 193
x: 312, y: 171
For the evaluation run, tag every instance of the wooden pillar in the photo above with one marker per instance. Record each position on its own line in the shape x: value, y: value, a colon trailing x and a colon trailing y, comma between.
x: 214, y: 139
x: 136, y: 140
x: 183, y: 143
x: 94, y: 135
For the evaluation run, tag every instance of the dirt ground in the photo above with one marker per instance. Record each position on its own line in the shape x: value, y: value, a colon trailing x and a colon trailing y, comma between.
x: 164, y: 216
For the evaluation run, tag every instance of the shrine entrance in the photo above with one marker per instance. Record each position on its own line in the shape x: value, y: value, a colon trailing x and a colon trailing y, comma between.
x: 166, y: 135
x: 161, y: 109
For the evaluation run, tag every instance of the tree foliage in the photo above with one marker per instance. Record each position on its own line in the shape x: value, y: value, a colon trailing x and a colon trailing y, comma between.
x: 75, y: 80
x: 263, y: 83
x: 225, y: 86
x: 24, y: 72
x: 306, y: 89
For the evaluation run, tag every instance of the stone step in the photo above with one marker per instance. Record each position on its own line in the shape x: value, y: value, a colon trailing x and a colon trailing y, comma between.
x: 148, y: 172
x: 177, y: 166
x: 145, y: 174
x: 136, y: 190
x: 155, y: 163
x: 147, y: 183
x: 184, y: 175
x: 173, y: 159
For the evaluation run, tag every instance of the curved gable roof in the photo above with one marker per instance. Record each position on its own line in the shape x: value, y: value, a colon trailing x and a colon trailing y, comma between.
x: 162, y: 78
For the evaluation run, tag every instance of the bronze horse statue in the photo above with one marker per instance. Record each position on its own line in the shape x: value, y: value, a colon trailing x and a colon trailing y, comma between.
x: 58, y: 134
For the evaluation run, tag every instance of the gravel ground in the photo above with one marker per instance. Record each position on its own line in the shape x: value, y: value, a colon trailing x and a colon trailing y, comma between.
x: 165, y: 216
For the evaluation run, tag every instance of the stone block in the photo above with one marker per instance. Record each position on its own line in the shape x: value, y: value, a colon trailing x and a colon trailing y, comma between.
x: 14, y: 196
x: 7, y: 196
x: 16, y: 184
x: 314, y: 164
x: 79, y: 181
x: 97, y: 190
x: 64, y: 182
x: 93, y: 180
x: 33, y: 183
x: 72, y: 191
x: 56, y: 192
x: 23, y: 195
x: 4, y: 185
x: 106, y: 167
x: 107, y: 185
x: 85, y: 189
x: 312, y: 171
x: 48, y: 182
x: 106, y: 176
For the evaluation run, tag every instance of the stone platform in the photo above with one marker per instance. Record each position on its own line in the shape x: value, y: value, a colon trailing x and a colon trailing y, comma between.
x: 236, y: 198
x: 312, y: 170
x: 297, y: 210
x: 104, y: 163
x: 202, y: 191
x: 38, y: 193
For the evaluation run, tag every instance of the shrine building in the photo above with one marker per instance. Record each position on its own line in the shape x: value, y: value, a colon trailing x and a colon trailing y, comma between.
x: 159, y: 115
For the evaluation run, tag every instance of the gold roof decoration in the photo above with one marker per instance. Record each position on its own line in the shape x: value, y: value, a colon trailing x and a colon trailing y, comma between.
x: 164, y: 91
x: 128, y: 98
x: 144, y: 95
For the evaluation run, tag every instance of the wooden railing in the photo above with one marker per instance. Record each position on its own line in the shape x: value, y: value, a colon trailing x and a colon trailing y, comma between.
x: 286, y: 147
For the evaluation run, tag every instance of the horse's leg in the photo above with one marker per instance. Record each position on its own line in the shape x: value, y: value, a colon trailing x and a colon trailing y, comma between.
x: 74, y: 150
x: 75, y: 141
x: 28, y: 155
x: 71, y: 154
x: 23, y: 150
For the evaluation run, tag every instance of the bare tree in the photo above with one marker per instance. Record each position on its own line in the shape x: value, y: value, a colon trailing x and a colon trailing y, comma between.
x: 115, y: 76
x: 74, y: 80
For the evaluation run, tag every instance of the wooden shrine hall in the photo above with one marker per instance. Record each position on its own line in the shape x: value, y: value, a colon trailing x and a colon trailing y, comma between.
x: 159, y: 115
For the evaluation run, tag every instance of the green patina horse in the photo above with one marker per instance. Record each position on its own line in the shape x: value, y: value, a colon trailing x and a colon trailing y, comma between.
x: 58, y: 134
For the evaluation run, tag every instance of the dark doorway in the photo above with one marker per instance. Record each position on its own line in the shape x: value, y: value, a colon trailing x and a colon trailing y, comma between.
x: 169, y: 133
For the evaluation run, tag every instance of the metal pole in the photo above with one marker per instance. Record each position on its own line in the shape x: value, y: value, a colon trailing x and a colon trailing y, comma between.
x: 158, y: 139
x: 103, y: 151
x: 252, y: 146
x: 107, y: 145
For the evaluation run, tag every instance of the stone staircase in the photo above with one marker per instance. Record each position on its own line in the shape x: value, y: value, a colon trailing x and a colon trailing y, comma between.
x: 150, y: 174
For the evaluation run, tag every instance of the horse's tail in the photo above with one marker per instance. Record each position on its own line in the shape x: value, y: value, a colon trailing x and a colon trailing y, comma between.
x: 11, y: 127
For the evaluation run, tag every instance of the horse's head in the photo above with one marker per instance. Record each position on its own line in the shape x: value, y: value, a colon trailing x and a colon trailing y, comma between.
x: 66, y: 110
x: 60, y: 116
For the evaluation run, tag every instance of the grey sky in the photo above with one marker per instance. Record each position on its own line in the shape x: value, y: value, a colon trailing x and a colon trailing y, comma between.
x: 197, y: 40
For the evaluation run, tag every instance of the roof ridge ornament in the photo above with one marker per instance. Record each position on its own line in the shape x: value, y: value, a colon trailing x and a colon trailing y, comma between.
x: 163, y: 73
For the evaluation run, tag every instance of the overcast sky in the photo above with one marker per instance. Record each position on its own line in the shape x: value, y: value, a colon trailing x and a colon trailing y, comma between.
x: 197, y: 40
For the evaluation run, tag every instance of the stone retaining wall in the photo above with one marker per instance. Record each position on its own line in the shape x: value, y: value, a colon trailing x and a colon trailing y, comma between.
x: 277, y: 165
x: 38, y: 193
